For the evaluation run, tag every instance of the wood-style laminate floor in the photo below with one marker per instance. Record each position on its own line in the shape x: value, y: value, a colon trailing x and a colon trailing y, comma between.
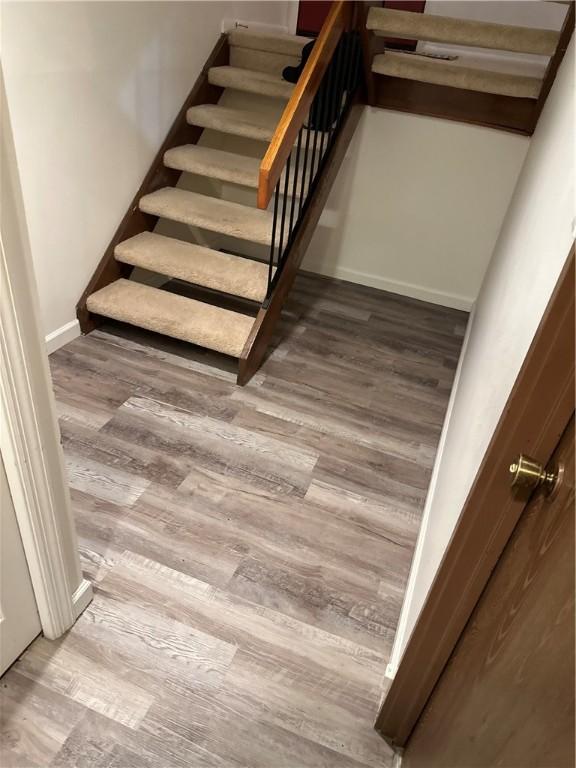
x: 249, y: 547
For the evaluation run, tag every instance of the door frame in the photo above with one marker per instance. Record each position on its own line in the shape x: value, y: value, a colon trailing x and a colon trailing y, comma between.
x: 29, y: 434
x: 536, y: 413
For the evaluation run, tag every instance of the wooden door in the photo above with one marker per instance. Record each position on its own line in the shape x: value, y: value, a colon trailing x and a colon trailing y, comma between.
x: 19, y: 621
x: 506, y: 697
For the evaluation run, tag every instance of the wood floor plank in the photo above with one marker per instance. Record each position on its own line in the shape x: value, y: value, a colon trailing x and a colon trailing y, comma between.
x: 207, y: 442
x: 104, y: 482
x: 89, y: 681
x: 97, y: 742
x: 34, y: 721
x: 249, y: 547
x: 110, y: 529
x: 253, y: 627
x: 304, y: 705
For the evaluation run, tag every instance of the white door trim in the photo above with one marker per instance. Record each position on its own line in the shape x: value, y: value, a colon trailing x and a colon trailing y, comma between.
x: 29, y: 435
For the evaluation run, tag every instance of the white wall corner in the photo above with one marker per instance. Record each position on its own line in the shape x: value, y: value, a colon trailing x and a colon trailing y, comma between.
x: 292, y: 16
x: 62, y: 336
x: 401, y: 636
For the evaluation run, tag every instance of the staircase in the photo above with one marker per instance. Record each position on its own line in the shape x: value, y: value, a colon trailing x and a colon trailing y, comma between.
x: 253, y: 66
x: 199, y: 257
x: 212, y: 242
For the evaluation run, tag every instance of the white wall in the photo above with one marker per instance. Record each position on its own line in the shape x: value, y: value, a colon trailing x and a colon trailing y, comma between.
x: 417, y: 206
x: 531, y: 251
x: 92, y: 89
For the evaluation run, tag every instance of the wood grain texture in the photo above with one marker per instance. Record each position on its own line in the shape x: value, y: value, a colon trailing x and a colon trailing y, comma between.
x: 338, y: 20
x: 535, y: 415
x: 508, y: 689
x: 249, y: 546
x: 506, y: 113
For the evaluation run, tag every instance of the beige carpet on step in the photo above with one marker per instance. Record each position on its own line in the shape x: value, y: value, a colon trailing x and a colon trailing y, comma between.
x: 426, y: 70
x: 185, y: 319
x: 442, y: 29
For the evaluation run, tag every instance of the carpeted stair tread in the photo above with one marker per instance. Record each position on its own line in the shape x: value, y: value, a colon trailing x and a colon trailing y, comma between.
x: 262, y: 83
x: 261, y: 61
x: 214, y: 163
x: 239, y: 122
x: 195, y: 264
x: 224, y: 166
x: 209, y: 213
x: 438, y: 72
x: 289, y: 45
x: 177, y: 316
x: 443, y: 29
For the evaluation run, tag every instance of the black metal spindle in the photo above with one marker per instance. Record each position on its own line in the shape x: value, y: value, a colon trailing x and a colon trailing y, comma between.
x: 273, y: 241
x: 326, y: 114
x: 304, y: 170
x: 294, y: 183
x: 313, y: 120
x: 284, y: 198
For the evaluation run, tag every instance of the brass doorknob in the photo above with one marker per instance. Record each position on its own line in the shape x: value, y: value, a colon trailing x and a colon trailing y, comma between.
x: 528, y: 474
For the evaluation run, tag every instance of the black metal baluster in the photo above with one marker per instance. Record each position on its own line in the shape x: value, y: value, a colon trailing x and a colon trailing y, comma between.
x: 294, y: 184
x: 284, y: 198
x: 314, y: 112
x: 273, y: 242
x: 304, y: 171
x: 331, y: 101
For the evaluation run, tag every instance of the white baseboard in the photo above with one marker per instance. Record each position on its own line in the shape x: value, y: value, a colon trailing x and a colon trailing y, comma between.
x: 451, y: 300
x: 401, y: 638
x: 62, y: 336
x: 82, y: 597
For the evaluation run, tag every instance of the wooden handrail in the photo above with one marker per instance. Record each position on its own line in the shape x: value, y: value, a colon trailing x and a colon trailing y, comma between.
x: 338, y: 20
